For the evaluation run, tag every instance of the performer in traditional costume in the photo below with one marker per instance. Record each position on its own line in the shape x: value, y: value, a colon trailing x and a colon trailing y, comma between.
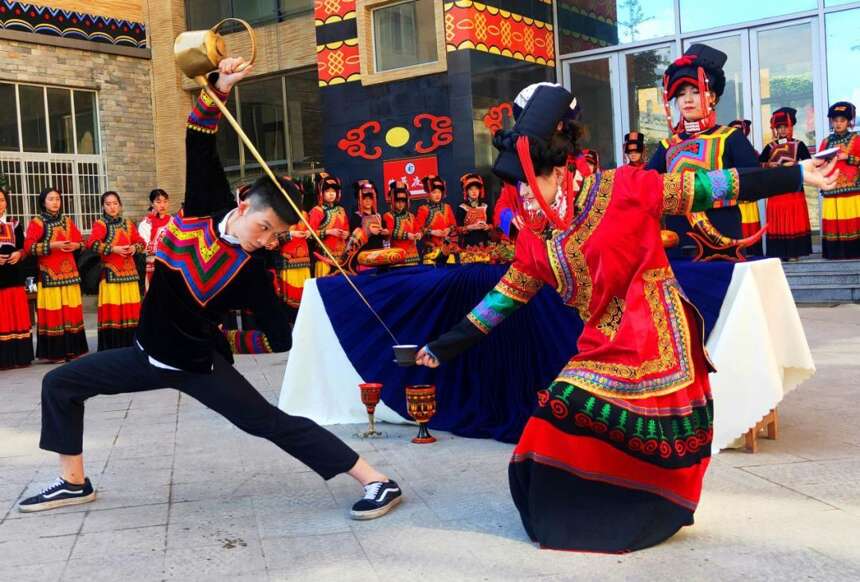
x: 401, y: 223
x: 634, y: 149
x: 742, y: 125
x: 437, y: 221
x: 16, y: 343
x: 52, y: 238
x: 329, y: 220
x: 367, y: 233
x: 613, y: 457
x: 592, y: 161
x: 750, y: 215
x: 293, y: 264
x: 473, y: 220
x: 207, y: 263
x: 788, y: 232
x: 152, y: 226
x: 696, y: 81
x: 116, y: 240
x: 840, y: 207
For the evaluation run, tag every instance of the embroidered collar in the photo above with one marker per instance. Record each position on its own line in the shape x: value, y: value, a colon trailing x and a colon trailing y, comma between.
x: 51, y: 218
x: 112, y: 220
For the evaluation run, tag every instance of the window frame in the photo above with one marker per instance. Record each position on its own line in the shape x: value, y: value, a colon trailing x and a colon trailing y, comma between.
x: 81, y: 167
x: 366, y: 44
x: 277, y: 15
x: 247, y: 165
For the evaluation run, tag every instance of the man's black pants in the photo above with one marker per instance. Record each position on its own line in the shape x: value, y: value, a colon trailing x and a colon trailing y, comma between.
x: 127, y: 370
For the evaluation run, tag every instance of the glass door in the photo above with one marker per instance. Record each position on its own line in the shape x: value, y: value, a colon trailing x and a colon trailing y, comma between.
x: 595, y: 83
x: 785, y: 65
x: 642, y: 104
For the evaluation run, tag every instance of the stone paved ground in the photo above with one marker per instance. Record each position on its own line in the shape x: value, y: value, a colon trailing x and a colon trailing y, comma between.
x: 184, y: 496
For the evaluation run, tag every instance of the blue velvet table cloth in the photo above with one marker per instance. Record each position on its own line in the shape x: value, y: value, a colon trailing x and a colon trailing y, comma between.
x: 488, y: 392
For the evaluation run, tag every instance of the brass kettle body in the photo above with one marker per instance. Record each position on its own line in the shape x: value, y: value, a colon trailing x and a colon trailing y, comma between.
x: 198, y: 52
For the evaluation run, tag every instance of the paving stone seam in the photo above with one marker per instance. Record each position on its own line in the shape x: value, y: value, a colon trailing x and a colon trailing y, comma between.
x: 783, y: 486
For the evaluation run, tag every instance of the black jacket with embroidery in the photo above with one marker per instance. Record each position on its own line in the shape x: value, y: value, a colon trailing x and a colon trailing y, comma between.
x: 199, y: 276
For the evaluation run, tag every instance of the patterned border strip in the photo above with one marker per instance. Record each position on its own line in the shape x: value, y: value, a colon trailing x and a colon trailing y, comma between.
x: 69, y: 24
x: 330, y: 11
x: 338, y: 62
x: 476, y: 26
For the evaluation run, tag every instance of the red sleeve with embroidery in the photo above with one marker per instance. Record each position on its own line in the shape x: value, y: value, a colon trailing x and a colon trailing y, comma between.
x: 33, y: 243
x: 96, y: 240
x: 136, y: 239
x: 421, y: 219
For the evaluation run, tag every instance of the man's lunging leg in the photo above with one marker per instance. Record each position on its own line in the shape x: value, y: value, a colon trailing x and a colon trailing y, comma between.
x: 64, y: 391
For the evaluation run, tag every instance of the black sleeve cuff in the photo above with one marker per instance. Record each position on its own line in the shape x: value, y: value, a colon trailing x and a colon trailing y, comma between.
x: 449, y: 345
x: 758, y: 183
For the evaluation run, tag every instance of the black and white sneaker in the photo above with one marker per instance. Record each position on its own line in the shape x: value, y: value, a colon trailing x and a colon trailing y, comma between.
x: 379, y: 498
x: 59, y: 494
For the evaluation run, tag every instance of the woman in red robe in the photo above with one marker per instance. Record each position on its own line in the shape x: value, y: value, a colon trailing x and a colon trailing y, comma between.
x: 53, y: 237
x: 613, y: 457
x: 401, y: 223
x: 16, y: 343
x: 329, y: 221
x: 116, y: 240
x: 437, y: 221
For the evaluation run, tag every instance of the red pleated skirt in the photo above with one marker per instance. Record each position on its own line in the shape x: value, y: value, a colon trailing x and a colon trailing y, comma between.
x: 16, y: 341
x: 788, y: 230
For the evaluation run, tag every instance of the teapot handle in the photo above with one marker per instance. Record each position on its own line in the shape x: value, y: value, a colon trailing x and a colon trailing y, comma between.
x: 251, y: 34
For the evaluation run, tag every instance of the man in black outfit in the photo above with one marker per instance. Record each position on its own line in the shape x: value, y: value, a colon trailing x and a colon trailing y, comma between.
x: 207, y: 263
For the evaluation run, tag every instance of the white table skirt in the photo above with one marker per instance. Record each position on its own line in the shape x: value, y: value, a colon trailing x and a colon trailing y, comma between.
x: 758, y: 346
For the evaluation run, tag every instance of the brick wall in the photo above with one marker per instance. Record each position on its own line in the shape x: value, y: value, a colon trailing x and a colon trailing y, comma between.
x: 170, y: 103
x: 123, y: 86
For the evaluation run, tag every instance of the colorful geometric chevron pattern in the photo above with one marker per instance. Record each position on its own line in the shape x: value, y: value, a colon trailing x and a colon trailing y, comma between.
x: 247, y: 342
x: 705, y: 152
x: 69, y: 24
x: 191, y: 247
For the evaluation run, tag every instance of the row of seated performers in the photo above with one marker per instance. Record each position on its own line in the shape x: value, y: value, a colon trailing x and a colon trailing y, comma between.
x: 436, y: 233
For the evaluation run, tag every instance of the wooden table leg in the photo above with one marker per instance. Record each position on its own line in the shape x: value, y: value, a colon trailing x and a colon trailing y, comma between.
x: 772, y: 426
x: 751, y: 440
